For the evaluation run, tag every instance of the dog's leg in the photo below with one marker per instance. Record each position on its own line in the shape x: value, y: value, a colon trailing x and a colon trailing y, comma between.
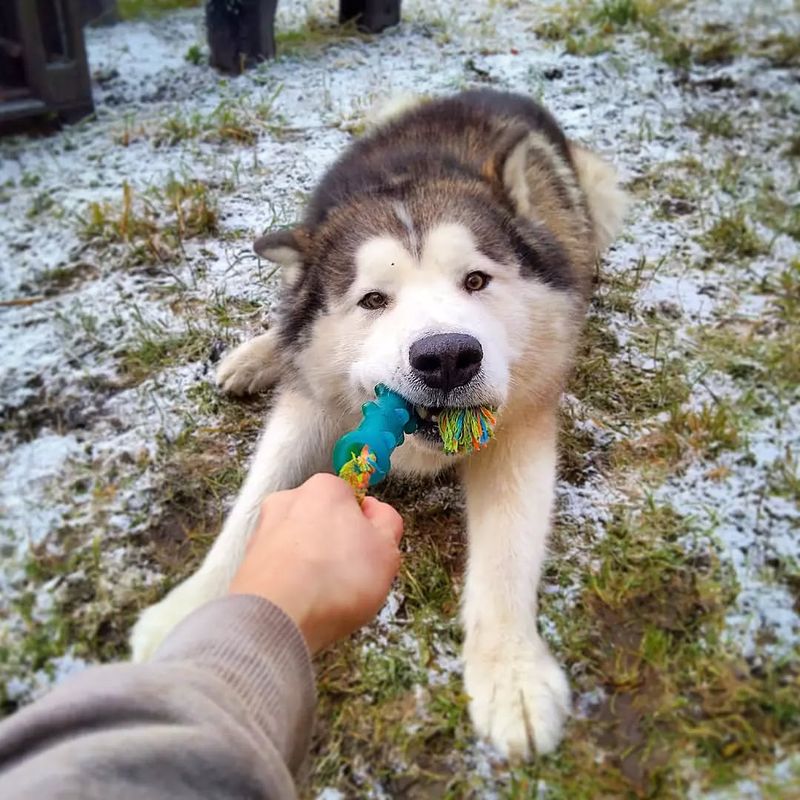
x: 252, y: 366
x: 295, y: 443
x: 519, y: 696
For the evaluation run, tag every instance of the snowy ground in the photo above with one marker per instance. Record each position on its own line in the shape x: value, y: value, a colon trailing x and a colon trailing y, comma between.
x: 126, y: 270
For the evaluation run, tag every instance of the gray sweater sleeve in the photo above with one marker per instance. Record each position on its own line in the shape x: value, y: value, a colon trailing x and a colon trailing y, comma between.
x: 224, y: 710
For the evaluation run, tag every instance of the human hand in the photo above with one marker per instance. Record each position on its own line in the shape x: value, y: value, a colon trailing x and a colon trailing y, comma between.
x: 327, y: 562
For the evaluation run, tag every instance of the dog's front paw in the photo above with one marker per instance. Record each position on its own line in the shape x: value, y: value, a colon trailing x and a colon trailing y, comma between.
x: 250, y: 367
x: 156, y: 622
x: 519, y: 697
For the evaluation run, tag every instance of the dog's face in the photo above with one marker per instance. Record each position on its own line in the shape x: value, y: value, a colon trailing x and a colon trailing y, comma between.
x: 441, y: 326
x: 436, y: 298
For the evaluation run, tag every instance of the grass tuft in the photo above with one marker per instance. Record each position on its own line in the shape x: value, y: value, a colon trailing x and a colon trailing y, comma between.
x: 713, y: 123
x: 781, y: 50
x: 239, y: 122
x: 720, y: 49
x: 684, y: 435
x: 153, y: 225
x: 627, y: 391
x: 588, y: 28
x: 765, y: 351
x: 136, y: 9
x: 154, y: 349
x: 314, y: 36
x: 617, y: 13
x: 731, y: 237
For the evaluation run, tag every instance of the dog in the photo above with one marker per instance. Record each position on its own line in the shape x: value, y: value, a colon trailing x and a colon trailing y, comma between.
x: 449, y: 255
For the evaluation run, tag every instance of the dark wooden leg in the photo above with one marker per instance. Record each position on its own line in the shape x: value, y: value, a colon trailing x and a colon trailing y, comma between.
x: 372, y: 16
x: 240, y: 33
x: 46, y: 38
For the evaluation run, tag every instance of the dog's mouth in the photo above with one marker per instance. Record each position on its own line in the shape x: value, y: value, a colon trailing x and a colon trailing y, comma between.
x: 427, y: 419
x: 455, y: 430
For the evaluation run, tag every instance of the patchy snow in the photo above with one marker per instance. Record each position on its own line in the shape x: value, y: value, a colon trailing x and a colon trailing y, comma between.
x: 26, y: 507
x: 786, y: 773
x: 91, y: 461
x: 753, y: 527
x: 329, y: 793
x: 34, y: 686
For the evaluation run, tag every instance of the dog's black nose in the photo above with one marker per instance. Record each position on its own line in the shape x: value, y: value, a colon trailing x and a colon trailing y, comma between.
x: 446, y: 360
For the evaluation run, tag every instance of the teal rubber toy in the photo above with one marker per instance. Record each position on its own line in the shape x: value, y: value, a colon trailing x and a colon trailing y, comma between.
x: 386, y: 420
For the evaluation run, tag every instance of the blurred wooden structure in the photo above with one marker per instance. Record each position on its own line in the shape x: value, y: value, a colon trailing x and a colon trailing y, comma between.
x: 43, y: 69
x: 371, y: 16
x: 242, y: 32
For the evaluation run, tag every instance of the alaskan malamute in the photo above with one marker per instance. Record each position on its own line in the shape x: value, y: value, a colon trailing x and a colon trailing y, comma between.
x: 448, y: 255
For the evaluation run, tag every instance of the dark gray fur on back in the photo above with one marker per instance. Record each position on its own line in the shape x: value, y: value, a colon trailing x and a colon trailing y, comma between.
x: 448, y: 138
x: 432, y: 159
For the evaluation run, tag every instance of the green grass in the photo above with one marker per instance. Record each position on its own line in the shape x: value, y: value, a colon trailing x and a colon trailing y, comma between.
x: 713, y: 123
x: 314, y: 36
x: 781, y: 50
x: 194, y: 55
x: 781, y: 216
x: 636, y: 610
x: 628, y: 390
x: 153, y: 225
x: 647, y: 629
x: 762, y: 354
x: 732, y: 237
x: 198, y: 470
x: 238, y: 122
x: 618, y: 13
x: 588, y: 28
x: 721, y: 49
x: 154, y: 350
x: 586, y: 44
x: 65, y: 278
x: 684, y: 435
x: 135, y: 9
x: 370, y: 690
x: 88, y: 617
x: 43, y: 204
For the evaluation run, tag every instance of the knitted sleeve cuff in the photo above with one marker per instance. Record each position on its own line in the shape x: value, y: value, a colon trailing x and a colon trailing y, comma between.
x: 260, y: 653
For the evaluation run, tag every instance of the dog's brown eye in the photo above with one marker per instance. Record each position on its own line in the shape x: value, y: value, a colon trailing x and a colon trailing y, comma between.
x: 373, y: 301
x: 476, y: 281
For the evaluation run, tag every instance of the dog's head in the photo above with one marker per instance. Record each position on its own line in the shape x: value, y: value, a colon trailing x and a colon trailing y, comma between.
x: 447, y: 292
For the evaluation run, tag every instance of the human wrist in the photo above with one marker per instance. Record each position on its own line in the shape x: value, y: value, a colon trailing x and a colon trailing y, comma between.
x: 287, y: 593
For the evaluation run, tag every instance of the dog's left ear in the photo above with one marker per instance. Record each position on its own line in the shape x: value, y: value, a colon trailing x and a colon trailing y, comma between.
x: 287, y: 248
x: 505, y: 167
x: 523, y: 159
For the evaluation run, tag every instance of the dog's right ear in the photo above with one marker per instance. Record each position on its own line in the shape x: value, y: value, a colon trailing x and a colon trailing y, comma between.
x: 287, y: 248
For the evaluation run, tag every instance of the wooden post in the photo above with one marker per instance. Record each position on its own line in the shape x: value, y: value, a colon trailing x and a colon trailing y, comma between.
x: 372, y: 16
x: 47, y: 39
x: 240, y: 33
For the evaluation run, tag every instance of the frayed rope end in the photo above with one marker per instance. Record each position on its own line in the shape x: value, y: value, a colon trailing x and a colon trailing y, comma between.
x: 466, y: 429
x: 358, y: 471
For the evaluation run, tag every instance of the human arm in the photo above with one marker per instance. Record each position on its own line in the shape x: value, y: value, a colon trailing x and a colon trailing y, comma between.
x: 225, y: 708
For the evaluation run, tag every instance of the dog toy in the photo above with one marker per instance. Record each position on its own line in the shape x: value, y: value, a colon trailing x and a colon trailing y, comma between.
x: 464, y: 429
x: 363, y: 456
